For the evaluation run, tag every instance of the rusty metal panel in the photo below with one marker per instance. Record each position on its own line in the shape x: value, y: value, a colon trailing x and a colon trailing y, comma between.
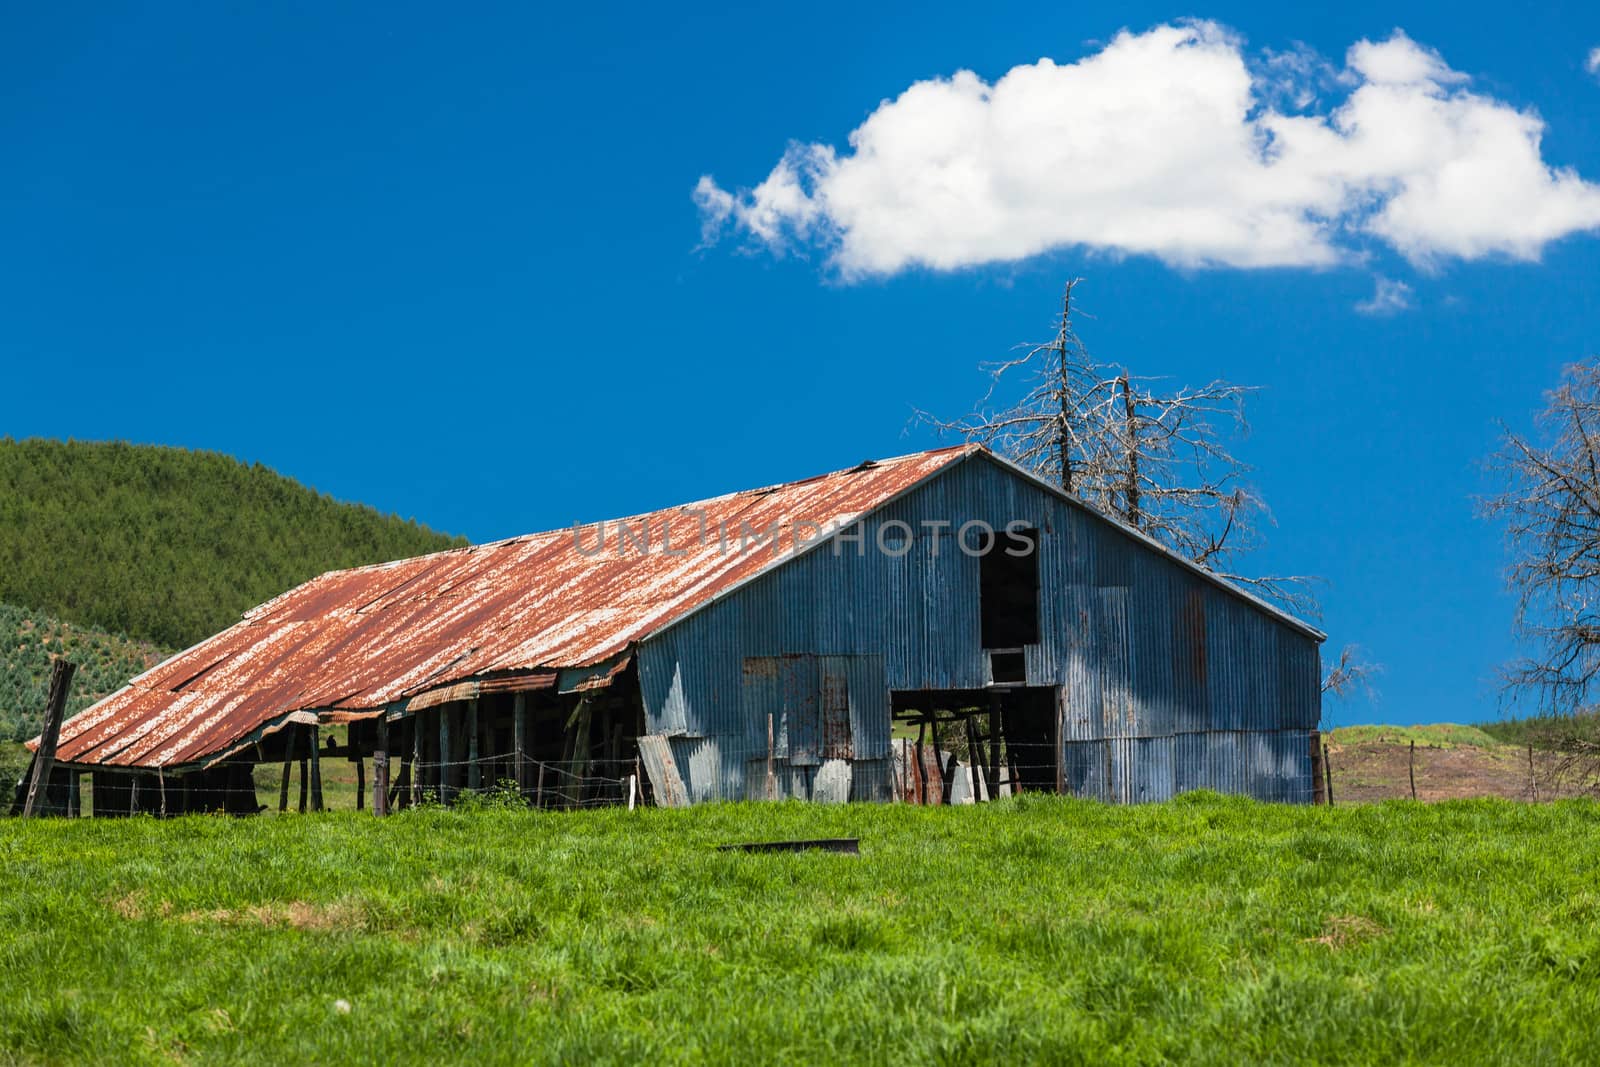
x: 665, y: 782
x: 838, y: 738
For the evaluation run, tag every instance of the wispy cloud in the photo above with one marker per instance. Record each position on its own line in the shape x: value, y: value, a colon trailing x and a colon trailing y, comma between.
x: 1172, y: 143
x: 1389, y: 297
x: 1593, y: 62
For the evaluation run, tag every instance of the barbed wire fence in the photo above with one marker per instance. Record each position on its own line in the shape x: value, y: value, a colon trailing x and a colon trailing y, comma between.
x: 711, y: 770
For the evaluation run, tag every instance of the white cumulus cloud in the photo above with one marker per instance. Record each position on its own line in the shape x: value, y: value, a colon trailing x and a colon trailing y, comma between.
x: 1592, y: 64
x: 1172, y: 143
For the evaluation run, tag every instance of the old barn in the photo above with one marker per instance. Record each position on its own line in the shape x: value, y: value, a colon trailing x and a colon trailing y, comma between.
x: 788, y: 641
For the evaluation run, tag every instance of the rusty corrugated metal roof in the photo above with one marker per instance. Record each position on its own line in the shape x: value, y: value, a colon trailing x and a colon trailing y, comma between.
x: 354, y: 641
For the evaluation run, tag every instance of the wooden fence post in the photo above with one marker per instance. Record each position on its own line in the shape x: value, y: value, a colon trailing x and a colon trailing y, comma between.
x: 1327, y: 774
x: 44, y: 760
x: 380, y: 766
x: 1411, y: 769
x: 1533, y: 779
x: 519, y: 742
x: 1319, y: 792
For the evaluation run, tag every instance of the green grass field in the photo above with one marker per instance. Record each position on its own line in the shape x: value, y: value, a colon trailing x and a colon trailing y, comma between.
x: 1039, y: 930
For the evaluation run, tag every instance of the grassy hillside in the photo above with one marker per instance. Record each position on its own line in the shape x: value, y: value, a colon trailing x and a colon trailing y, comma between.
x: 1433, y: 735
x: 29, y: 641
x: 1041, y: 931
x: 169, y: 545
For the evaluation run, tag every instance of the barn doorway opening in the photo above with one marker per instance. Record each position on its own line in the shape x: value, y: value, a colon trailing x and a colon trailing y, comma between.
x: 961, y: 745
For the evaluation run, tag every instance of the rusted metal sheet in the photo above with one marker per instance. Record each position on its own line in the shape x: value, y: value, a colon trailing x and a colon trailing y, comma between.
x: 356, y: 641
x: 665, y: 781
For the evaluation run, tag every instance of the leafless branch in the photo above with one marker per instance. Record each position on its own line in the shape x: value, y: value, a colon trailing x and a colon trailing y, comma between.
x: 1158, y: 459
x: 1352, y: 674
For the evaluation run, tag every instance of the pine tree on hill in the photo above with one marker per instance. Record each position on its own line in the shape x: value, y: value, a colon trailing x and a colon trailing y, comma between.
x: 169, y: 545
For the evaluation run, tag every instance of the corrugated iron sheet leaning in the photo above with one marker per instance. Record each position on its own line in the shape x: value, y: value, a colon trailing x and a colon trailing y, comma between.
x: 761, y: 643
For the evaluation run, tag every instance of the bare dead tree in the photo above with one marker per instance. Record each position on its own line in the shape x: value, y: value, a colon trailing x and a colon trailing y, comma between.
x: 1159, y: 461
x: 1352, y: 674
x: 1550, y: 504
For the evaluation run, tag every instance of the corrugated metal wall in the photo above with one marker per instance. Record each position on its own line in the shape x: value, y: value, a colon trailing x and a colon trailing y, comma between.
x: 1168, y: 682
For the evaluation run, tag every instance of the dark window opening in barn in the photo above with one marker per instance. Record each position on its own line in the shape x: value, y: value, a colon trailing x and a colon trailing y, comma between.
x: 1008, y: 590
x: 1008, y: 668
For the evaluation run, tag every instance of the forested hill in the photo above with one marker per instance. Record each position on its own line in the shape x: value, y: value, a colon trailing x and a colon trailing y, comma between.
x: 168, y: 545
x: 31, y: 640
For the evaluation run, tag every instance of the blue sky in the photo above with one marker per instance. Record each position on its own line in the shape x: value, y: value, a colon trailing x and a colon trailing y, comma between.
x: 453, y: 266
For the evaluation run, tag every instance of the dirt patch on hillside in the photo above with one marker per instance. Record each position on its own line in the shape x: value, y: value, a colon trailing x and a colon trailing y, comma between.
x: 1373, y: 771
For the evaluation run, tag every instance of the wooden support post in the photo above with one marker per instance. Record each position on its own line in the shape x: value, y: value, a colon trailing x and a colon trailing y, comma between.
x: 538, y: 799
x: 44, y: 760
x: 418, y: 772
x: 1533, y: 779
x: 361, y: 784
x: 305, y: 778
x: 938, y: 759
x: 74, y: 795
x: 444, y: 753
x: 1411, y: 768
x: 400, y: 791
x: 922, y: 766
x: 288, y: 768
x: 380, y: 766
x: 474, y: 772
x: 974, y: 755
x: 582, y: 748
x: 161, y: 783
x: 1327, y: 774
x: 316, y: 768
x: 519, y: 742
x: 993, y: 769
